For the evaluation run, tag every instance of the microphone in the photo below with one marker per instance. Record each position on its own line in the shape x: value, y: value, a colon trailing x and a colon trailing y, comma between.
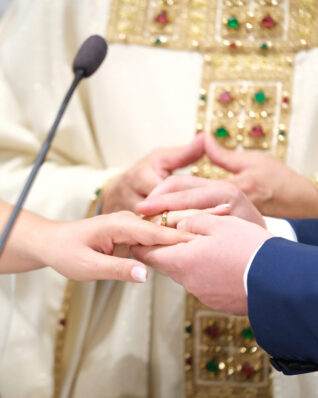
x: 87, y: 60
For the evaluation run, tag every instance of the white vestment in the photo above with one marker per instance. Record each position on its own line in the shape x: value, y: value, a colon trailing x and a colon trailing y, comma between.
x: 128, y: 339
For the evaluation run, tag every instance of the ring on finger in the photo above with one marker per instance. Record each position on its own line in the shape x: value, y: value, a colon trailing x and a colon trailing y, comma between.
x: 164, y: 219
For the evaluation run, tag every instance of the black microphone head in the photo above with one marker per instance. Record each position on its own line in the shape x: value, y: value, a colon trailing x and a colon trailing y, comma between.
x: 91, y: 55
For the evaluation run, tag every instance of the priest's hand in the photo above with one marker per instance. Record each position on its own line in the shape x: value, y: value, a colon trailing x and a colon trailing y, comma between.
x: 212, y: 265
x: 186, y: 192
x: 275, y: 189
x: 136, y: 184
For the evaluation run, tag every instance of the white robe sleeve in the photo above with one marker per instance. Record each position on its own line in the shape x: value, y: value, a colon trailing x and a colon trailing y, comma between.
x: 73, y: 171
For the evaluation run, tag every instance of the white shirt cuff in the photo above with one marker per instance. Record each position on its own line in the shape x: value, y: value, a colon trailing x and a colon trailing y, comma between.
x: 279, y: 228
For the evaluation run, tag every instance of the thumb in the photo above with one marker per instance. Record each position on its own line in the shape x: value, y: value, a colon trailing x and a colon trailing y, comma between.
x: 176, y: 158
x: 115, y: 268
x: 227, y: 159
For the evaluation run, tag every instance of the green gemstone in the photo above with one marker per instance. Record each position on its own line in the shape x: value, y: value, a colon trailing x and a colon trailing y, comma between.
x: 247, y: 333
x: 264, y: 46
x: 212, y: 367
x: 260, y: 97
x: 233, y: 23
x: 221, y: 132
x: 203, y: 98
x: 98, y: 192
x: 158, y: 41
x: 188, y: 329
x: 282, y: 133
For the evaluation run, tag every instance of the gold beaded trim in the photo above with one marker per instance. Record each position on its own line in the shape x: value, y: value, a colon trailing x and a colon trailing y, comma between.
x: 216, y: 25
x: 245, y: 104
x: 276, y: 27
x: 60, y: 337
x: 64, y: 313
x: 222, y: 358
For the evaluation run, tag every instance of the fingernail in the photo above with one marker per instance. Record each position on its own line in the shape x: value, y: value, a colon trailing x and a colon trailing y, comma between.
x: 224, y: 206
x: 139, y: 274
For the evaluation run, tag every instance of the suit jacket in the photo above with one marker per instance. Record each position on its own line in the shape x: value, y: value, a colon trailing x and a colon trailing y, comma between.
x: 283, y: 299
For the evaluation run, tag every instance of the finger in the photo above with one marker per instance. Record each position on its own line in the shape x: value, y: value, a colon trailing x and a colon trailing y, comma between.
x: 182, y: 200
x: 203, y: 224
x: 147, y: 181
x: 134, y: 230
x: 113, y: 268
x: 174, y: 217
x: 175, y: 158
x: 229, y: 160
x: 221, y: 210
x: 178, y: 183
x: 196, y: 198
x: 151, y: 234
x: 162, y: 258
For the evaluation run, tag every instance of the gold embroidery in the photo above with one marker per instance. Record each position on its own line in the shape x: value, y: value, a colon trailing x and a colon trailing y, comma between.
x: 63, y: 318
x: 241, y: 122
x: 222, y: 358
x: 60, y: 337
x: 216, y: 25
x: 244, y: 102
x: 248, y: 48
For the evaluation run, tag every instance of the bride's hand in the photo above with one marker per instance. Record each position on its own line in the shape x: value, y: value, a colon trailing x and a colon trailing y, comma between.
x: 186, y: 192
x: 174, y: 217
x: 82, y: 250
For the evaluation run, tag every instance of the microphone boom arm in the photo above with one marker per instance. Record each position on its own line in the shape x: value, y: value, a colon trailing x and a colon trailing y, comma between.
x: 79, y: 74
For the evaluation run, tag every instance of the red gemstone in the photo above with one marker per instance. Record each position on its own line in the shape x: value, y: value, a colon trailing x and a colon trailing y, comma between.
x: 225, y: 97
x: 286, y: 100
x: 188, y: 361
x: 233, y: 45
x: 257, y: 131
x: 247, y: 369
x: 212, y: 331
x: 268, y: 22
x: 63, y: 322
x: 162, y: 18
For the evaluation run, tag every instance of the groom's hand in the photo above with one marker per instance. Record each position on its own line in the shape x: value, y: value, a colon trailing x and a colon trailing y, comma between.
x: 186, y: 192
x: 136, y: 184
x: 212, y: 265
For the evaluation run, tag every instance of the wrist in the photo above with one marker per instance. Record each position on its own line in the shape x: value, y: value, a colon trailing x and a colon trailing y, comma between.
x: 46, y: 242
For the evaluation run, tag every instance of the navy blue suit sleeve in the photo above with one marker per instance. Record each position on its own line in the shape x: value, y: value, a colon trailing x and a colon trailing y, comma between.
x: 306, y: 230
x: 283, y: 301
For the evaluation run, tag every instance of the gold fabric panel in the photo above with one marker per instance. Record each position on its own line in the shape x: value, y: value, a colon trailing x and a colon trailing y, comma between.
x: 204, y: 24
x: 255, y: 112
x: 244, y: 102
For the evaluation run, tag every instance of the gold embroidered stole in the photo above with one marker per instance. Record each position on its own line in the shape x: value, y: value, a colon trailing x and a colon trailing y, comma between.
x: 244, y: 102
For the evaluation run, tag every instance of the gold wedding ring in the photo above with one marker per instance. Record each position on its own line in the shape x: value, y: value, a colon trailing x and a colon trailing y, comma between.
x: 164, y: 219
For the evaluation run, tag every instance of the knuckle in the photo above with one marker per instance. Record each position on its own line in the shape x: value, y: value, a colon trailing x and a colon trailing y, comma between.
x: 123, y: 214
x: 248, y: 185
x: 172, y: 179
x: 232, y: 190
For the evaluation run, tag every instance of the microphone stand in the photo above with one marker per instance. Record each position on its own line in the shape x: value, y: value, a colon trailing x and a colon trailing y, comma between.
x: 79, y: 74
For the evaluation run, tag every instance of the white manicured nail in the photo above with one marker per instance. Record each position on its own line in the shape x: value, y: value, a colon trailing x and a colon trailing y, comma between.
x: 139, y: 274
x: 224, y: 206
